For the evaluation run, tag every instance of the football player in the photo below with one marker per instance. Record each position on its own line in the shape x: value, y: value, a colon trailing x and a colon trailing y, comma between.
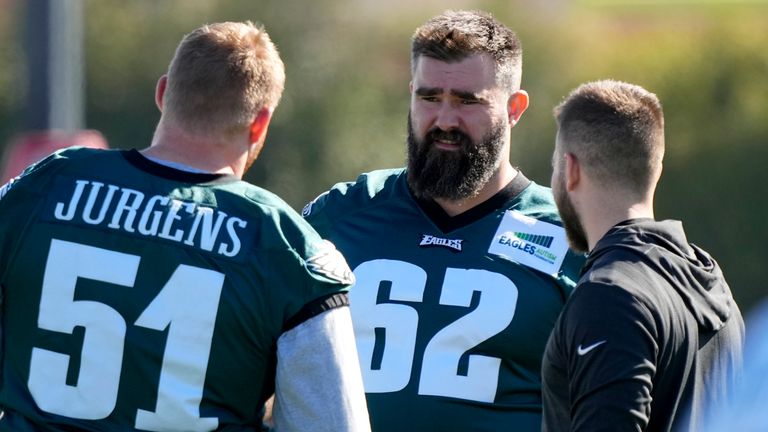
x: 154, y: 290
x: 461, y: 262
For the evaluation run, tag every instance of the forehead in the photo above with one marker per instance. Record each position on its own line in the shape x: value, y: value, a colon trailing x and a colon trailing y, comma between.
x: 476, y: 73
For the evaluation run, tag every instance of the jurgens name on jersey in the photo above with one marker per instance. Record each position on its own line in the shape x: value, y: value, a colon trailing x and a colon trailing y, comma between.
x: 96, y: 203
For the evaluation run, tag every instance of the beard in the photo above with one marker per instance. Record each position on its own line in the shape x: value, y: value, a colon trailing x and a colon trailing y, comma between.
x: 452, y: 175
x: 574, y: 230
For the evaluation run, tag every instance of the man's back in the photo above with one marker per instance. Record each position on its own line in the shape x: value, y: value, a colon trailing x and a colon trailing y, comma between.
x: 649, y: 339
x: 136, y: 295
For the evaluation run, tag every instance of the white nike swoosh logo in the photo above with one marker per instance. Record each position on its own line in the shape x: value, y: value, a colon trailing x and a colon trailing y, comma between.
x: 581, y: 351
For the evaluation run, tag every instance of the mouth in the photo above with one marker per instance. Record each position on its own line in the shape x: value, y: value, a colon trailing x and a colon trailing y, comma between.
x: 447, y: 144
x: 448, y: 141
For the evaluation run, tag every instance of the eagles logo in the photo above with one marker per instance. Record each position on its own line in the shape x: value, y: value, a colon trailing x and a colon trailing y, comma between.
x: 307, y: 210
x: 329, y: 262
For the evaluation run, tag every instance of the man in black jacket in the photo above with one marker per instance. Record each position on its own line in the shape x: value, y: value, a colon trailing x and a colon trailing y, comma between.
x: 651, y: 336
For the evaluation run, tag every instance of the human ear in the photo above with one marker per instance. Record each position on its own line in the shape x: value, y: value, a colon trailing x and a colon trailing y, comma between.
x: 572, y: 172
x: 258, y: 129
x: 516, y: 106
x: 162, y: 84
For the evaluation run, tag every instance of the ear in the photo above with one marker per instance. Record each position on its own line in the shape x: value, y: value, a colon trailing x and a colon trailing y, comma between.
x: 258, y: 129
x: 162, y: 83
x: 410, y: 87
x: 572, y: 172
x: 516, y: 106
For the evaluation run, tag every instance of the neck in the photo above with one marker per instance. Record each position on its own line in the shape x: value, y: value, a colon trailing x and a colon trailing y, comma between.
x: 211, y: 154
x: 497, y: 182
x: 601, y: 215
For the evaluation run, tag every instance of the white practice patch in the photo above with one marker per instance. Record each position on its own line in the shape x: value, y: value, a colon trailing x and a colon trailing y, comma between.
x: 330, y: 263
x: 530, y: 242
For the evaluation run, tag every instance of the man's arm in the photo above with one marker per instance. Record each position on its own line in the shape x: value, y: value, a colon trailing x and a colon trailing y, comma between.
x: 318, y: 385
x: 612, y: 344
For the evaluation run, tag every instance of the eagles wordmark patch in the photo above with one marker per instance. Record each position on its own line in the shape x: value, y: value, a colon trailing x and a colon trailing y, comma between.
x: 428, y: 240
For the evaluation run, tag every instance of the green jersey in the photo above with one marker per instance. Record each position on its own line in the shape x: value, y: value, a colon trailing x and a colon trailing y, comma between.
x: 138, y: 296
x: 451, y: 315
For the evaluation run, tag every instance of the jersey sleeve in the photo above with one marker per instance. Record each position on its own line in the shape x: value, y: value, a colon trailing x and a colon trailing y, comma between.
x: 311, y: 275
x: 318, y: 380
x: 609, y: 349
x: 26, y: 176
x: 346, y: 198
x: 321, y: 211
x: 6, y: 210
x: 18, y: 199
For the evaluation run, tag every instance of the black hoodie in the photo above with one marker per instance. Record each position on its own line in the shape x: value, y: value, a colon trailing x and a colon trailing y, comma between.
x: 650, y: 338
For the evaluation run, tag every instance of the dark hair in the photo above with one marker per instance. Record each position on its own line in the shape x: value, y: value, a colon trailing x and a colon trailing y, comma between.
x: 455, y: 35
x: 616, y: 130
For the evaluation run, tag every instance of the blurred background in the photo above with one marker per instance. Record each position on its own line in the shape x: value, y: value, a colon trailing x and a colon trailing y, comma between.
x: 86, y: 69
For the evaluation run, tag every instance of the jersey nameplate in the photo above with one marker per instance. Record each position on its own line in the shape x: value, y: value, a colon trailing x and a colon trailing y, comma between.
x: 530, y: 242
x: 100, y: 204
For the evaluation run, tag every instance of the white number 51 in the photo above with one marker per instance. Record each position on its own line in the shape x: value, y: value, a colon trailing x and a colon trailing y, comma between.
x: 188, y: 304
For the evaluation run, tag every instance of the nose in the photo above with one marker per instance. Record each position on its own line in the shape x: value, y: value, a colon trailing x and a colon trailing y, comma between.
x: 447, y: 117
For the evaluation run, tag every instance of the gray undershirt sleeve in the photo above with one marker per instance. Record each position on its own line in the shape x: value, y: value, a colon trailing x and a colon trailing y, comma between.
x: 318, y: 385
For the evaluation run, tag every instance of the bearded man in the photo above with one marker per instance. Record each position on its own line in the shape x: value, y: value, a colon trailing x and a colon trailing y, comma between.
x: 461, y: 262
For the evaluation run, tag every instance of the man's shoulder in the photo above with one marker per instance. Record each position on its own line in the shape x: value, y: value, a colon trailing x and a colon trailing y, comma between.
x: 622, y: 275
x: 284, y: 229
x: 271, y: 209
x: 76, y: 156
x: 70, y: 157
x: 621, y: 267
x: 257, y: 196
x: 536, y: 201
x: 368, y: 189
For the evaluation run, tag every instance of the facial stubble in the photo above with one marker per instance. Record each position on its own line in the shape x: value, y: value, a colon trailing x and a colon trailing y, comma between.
x: 574, y: 229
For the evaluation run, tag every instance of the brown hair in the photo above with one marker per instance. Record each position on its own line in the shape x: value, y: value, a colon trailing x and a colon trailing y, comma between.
x: 455, y: 35
x: 616, y: 130
x: 221, y: 75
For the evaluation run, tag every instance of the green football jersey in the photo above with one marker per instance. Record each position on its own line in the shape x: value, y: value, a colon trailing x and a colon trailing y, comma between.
x: 451, y: 315
x: 137, y: 296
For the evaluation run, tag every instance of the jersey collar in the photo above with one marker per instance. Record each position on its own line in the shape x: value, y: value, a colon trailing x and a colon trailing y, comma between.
x: 447, y: 223
x: 139, y: 161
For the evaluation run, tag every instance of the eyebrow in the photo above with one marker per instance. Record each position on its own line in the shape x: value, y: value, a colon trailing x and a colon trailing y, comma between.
x: 428, y: 91
x: 432, y: 91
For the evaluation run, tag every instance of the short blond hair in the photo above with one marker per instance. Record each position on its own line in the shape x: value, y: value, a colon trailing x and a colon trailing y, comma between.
x: 616, y: 129
x: 221, y: 76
